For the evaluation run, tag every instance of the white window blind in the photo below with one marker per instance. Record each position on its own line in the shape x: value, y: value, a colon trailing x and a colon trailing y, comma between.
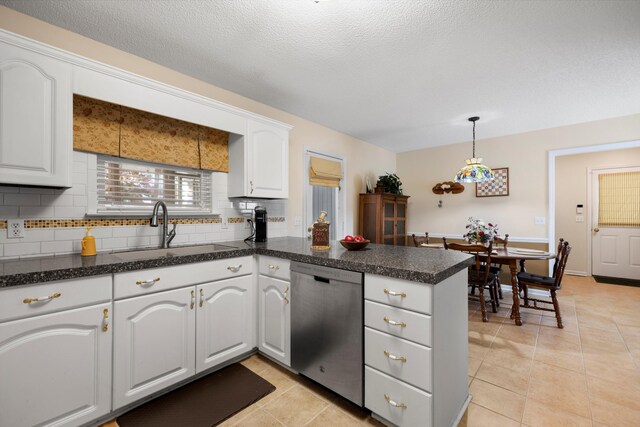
x: 129, y: 186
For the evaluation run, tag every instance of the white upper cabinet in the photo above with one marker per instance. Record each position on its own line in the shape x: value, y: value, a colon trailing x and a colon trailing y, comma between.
x: 259, y: 162
x: 35, y: 119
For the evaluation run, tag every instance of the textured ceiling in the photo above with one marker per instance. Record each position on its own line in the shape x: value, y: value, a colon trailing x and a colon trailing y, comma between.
x: 402, y: 74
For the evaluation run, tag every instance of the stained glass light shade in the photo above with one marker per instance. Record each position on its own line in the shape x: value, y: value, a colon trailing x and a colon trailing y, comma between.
x: 474, y: 171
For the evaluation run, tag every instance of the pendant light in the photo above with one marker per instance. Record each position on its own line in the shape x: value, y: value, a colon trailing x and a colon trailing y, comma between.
x: 474, y: 171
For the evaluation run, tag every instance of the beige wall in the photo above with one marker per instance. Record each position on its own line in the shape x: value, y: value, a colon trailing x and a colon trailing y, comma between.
x: 526, y: 157
x: 362, y: 158
x: 572, y: 189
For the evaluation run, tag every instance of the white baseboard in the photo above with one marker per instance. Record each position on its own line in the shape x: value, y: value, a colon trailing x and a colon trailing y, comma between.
x: 577, y: 273
x: 536, y: 292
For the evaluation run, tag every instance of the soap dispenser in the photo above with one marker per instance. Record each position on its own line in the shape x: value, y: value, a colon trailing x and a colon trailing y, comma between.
x: 88, y: 244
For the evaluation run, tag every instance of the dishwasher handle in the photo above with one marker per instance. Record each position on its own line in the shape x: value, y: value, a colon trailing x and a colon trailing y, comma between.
x: 321, y: 279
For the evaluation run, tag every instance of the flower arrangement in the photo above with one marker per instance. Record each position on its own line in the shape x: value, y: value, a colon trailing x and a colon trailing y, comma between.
x: 479, y: 232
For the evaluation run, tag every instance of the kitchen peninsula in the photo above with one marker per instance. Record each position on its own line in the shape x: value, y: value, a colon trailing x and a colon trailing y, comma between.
x: 414, y: 325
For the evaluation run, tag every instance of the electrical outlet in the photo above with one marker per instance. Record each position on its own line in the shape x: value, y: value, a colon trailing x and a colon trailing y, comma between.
x: 225, y: 224
x: 246, y: 223
x: 297, y: 221
x: 579, y: 218
x: 539, y: 220
x: 15, y: 228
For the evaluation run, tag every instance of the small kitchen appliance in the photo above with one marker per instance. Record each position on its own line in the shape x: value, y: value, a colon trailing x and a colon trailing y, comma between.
x: 260, y: 215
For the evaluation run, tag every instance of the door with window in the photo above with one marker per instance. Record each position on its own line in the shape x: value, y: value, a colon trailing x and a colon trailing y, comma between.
x: 615, y: 230
x: 325, y: 191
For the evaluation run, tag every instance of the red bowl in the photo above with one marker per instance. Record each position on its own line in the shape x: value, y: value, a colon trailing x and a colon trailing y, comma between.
x: 354, y: 246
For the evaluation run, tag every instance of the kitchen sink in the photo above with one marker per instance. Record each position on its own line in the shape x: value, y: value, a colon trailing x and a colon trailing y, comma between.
x: 169, y: 252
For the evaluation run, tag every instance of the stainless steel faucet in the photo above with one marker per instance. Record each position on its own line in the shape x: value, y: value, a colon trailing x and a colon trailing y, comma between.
x: 167, y: 237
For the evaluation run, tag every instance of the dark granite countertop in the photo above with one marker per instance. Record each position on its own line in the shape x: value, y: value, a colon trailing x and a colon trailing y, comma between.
x: 424, y: 265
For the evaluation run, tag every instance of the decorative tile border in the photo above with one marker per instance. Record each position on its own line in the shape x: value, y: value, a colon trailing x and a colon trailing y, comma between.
x: 123, y: 222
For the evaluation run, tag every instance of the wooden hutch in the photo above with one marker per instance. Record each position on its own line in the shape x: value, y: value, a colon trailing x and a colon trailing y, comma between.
x: 383, y: 218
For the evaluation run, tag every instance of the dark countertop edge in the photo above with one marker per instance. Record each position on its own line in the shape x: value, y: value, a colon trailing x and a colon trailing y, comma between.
x: 24, y: 279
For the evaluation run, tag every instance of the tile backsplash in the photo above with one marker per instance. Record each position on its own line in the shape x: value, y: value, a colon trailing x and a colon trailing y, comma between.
x: 55, y: 219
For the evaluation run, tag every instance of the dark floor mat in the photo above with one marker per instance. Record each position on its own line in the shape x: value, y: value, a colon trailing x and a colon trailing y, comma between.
x: 202, y: 403
x: 617, y: 281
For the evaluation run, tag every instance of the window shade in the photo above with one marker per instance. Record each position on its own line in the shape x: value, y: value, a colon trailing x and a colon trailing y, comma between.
x: 104, y: 128
x: 324, y: 172
x: 619, y: 199
x: 130, y: 186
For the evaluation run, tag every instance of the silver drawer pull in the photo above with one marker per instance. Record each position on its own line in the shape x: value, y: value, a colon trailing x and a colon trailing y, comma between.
x: 40, y: 299
x: 147, y: 282
x: 394, y: 357
x: 235, y: 269
x: 394, y: 293
x: 394, y: 323
x: 274, y: 267
x: 286, y: 295
x: 193, y: 299
x: 394, y: 403
x: 201, y: 297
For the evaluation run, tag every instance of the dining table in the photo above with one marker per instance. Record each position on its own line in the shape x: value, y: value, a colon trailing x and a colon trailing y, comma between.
x: 511, y: 257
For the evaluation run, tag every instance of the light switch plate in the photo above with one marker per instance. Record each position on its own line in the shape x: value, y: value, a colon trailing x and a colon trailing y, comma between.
x: 539, y: 220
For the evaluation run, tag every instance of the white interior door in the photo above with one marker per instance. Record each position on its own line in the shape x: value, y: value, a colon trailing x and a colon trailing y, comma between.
x: 615, y: 248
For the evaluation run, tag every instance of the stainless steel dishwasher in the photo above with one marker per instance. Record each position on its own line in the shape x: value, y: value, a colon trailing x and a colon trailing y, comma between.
x: 327, y: 328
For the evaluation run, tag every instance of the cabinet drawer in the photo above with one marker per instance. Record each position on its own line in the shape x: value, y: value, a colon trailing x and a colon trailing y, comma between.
x: 142, y: 282
x: 381, y: 351
x: 277, y: 268
x: 399, y: 293
x: 401, y: 323
x: 53, y: 296
x: 381, y: 392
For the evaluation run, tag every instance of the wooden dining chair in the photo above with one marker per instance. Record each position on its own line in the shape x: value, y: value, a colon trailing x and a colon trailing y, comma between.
x: 499, y: 242
x: 418, y: 240
x: 552, y: 284
x: 479, y: 276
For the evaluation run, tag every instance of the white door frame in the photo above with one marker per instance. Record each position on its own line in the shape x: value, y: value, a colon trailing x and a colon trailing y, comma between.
x: 552, y: 186
x: 342, y: 202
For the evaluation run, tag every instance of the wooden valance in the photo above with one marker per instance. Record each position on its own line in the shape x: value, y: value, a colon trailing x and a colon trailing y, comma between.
x: 325, y: 172
x: 105, y: 128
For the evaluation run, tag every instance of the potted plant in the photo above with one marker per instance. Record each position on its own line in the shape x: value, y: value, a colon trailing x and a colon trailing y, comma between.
x: 390, y: 183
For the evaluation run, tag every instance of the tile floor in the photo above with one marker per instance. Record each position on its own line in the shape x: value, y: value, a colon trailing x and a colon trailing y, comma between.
x: 587, y: 374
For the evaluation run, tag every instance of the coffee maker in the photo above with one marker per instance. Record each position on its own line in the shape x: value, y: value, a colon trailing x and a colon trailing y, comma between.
x: 260, y: 215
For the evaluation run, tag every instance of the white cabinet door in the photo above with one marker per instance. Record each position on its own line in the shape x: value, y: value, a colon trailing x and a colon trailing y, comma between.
x: 225, y: 321
x: 35, y: 119
x: 268, y: 150
x: 154, y: 344
x: 259, y: 162
x: 274, y: 319
x: 55, y: 369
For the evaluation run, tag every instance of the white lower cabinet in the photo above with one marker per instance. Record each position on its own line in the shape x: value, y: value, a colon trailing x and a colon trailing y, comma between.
x: 55, y: 369
x: 166, y: 337
x: 225, y: 321
x: 154, y: 343
x: 416, y: 350
x: 274, y: 319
